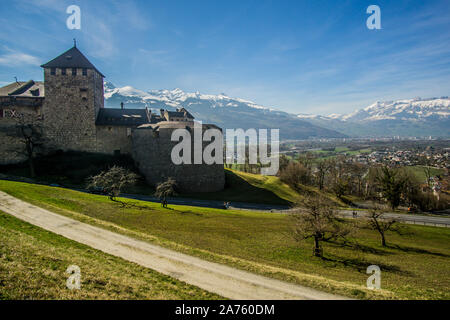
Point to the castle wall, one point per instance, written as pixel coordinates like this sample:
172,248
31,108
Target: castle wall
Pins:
12,147
152,155
113,138
70,109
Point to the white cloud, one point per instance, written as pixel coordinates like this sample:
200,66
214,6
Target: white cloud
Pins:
14,58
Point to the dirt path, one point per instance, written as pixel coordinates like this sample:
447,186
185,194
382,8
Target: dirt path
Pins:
220,279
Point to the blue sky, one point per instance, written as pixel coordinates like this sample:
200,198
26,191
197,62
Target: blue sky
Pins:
297,56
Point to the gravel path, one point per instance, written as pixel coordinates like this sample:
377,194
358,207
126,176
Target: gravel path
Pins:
223,280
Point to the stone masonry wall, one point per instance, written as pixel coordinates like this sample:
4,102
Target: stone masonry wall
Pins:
112,138
152,155
70,108
12,147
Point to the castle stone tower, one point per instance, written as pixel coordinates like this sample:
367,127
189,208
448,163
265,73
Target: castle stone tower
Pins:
73,98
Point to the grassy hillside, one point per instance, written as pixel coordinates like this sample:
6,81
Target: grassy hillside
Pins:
247,187
414,266
419,172
33,264
72,169
255,188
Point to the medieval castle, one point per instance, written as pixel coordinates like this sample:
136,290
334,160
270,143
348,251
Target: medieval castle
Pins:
69,104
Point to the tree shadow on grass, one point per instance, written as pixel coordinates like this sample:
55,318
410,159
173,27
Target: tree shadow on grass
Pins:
417,250
361,247
198,214
361,265
237,189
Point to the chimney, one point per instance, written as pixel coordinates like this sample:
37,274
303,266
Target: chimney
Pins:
121,105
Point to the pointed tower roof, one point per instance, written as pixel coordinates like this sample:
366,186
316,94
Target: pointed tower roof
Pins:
72,58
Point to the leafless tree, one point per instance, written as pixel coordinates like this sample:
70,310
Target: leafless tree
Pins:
317,219
392,184
323,167
358,172
428,174
166,189
112,181
378,222
295,174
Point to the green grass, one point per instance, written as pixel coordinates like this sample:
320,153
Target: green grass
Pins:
327,154
253,188
419,172
72,169
256,188
33,262
414,266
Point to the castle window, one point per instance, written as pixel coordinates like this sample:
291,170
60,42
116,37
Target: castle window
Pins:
74,71
84,93
53,71
63,71
84,72
1,113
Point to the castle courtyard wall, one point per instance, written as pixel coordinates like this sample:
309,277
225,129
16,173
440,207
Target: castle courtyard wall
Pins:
152,155
12,147
111,139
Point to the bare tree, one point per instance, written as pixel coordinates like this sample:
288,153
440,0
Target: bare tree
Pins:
295,174
340,186
166,189
323,167
112,181
358,172
392,185
428,175
378,222
284,162
317,219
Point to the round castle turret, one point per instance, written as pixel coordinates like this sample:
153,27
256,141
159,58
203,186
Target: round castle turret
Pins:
152,148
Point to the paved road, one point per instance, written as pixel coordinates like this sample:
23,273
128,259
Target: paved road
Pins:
223,280
406,218
211,203
443,221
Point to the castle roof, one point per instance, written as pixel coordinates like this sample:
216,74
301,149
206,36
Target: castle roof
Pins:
122,117
72,58
180,113
32,89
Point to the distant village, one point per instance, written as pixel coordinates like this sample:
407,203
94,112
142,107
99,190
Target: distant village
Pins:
406,158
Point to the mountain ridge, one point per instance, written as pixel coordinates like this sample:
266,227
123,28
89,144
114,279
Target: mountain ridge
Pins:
406,117
224,111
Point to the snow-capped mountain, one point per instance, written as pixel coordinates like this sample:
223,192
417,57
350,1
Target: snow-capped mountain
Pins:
219,109
411,117
413,109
